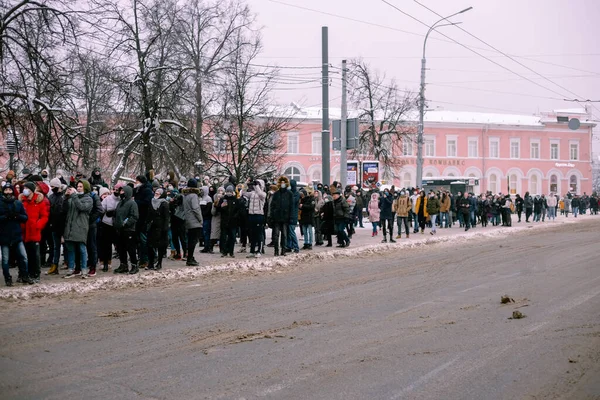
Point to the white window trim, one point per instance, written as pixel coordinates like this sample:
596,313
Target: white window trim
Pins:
408,140
429,137
572,142
538,142
469,140
312,141
556,142
518,141
493,140
287,143
455,138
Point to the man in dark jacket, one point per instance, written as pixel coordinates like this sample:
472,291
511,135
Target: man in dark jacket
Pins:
464,206
56,223
519,205
358,209
280,214
12,215
341,213
206,204
95,216
96,178
124,222
386,215
528,203
229,209
292,238
143,196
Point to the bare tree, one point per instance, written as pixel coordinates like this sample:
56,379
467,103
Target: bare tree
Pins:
207,33
150,79
33,78
384,112
247,130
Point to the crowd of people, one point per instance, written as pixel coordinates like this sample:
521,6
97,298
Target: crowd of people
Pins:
136,222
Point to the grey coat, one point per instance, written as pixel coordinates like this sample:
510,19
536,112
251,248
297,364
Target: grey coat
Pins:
191,208
78,218
215,227
126,213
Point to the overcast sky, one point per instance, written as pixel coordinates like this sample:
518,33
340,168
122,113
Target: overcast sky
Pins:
556,38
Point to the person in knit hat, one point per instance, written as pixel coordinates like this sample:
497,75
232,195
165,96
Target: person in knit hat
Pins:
193,219
37,208
228,209
77,225
56,223
12,216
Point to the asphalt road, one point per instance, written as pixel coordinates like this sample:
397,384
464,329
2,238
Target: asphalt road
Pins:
423,323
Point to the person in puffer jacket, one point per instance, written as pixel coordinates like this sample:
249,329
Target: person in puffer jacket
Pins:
37,208
124,222
374,213
193,219
256,196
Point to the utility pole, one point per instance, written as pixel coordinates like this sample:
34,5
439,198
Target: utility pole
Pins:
325,140
344,133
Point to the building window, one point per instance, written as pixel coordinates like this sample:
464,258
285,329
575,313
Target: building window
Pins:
429,148
493,183
515,148
573,183
535,150
407,180
220,145
451,147
316,143
494,148
292,143
428,175
574,151
407,146
292,173
513,184
554,151
533,184
473,148
553,184
316,175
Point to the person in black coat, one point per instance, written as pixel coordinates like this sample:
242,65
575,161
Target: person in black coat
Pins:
158,229
327,219
142,195
229,209
280,213
519,205
307,212
12,215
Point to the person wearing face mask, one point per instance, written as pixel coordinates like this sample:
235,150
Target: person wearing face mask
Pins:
178,233
386,202
158,229
402,206
45,176
38,211
79,205
464,205
215,223
421,208
142,194
415,218
96,179
12,215
56,223
229,209
327,219
106,229
193,219
124,223
280,214
433,209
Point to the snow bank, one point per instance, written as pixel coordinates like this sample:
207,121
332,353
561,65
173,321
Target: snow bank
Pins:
266,264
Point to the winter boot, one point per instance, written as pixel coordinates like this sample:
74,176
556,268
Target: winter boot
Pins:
173,252
158,266
8,281
123,269
105,268
392,240
276,253
191,263
134,269
53,270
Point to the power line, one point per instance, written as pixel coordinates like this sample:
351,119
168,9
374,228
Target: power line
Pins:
515,79
471,49
501,52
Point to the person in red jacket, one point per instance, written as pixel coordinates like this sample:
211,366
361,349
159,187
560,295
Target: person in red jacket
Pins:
37,208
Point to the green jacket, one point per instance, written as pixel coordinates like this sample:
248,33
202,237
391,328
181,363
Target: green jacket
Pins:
78,218
433,206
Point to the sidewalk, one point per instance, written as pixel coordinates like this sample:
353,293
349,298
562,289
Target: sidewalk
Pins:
362,245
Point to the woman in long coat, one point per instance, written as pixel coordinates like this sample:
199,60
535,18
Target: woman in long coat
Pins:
158,229
215,227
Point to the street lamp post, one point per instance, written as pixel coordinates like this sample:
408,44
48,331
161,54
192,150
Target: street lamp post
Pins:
419,181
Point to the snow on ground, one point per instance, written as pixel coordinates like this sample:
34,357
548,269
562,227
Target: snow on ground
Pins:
266,264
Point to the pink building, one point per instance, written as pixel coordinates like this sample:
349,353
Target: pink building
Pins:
539,154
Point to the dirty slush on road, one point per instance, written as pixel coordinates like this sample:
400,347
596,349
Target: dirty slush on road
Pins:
510,315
